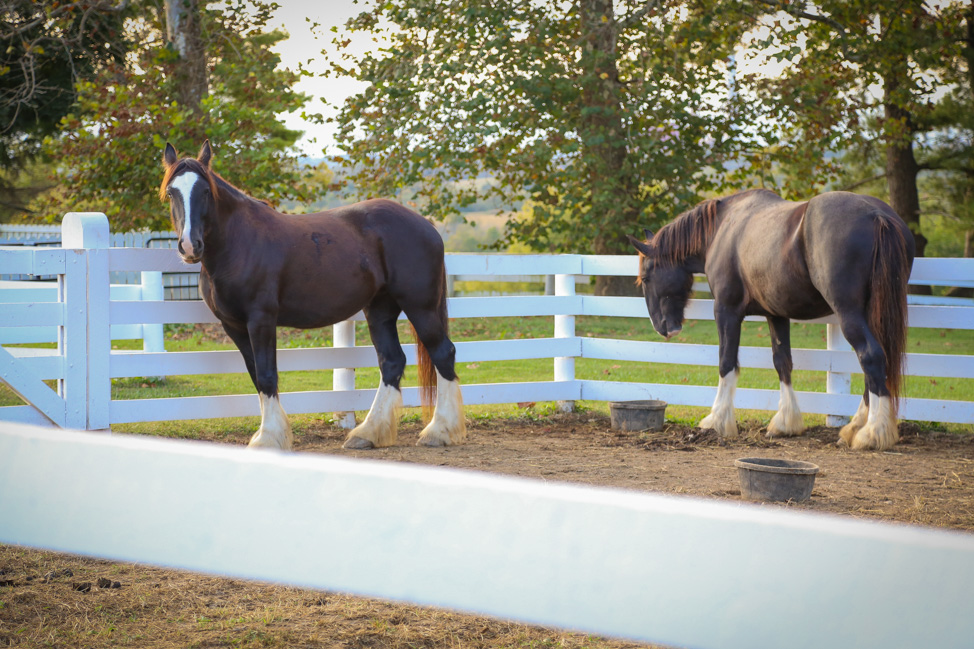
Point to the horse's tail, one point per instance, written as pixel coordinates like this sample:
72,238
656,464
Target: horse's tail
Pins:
427,371
892,263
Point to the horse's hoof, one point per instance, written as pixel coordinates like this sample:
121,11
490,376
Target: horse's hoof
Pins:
358,444
725,427
258,441
847,433
432,442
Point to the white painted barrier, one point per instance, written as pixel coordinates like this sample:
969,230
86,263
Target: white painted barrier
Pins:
665,569
84,364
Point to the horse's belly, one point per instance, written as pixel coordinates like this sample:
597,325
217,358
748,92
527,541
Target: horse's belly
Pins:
794,305
309,317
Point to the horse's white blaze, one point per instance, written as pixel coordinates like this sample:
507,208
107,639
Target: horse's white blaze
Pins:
381,425
849,431
275,430
788,420
448,425
880,431
184,184
721,417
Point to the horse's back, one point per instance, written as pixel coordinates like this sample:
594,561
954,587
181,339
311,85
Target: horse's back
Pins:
408,248
800,259
841,230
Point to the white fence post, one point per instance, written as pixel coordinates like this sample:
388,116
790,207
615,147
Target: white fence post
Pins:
565,328
344,379
88,340
152,290
837,382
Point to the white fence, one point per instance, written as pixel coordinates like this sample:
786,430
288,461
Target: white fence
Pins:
84,364
667,569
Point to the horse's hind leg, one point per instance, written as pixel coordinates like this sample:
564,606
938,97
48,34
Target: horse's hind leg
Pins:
381,425
788,420
448,425
874,424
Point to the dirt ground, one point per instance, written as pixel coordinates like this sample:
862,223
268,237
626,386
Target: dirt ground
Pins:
48,599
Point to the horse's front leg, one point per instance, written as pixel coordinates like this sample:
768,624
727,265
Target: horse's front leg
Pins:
788,420
721,417
275,430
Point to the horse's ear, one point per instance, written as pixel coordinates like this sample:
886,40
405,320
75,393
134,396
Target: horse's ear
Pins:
639,245
649,233
205,154
169,158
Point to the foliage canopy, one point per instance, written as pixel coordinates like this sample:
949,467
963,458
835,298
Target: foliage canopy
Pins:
605,114
108,151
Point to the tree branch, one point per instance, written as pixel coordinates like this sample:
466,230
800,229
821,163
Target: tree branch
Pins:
793,10
864,181
638,15
106,7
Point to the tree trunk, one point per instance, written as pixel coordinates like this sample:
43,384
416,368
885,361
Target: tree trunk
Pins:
183,33
901,164
611,184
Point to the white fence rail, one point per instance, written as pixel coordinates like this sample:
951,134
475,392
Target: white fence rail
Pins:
666,569
83,365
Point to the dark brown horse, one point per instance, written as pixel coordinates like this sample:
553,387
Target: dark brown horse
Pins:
837,253
262,269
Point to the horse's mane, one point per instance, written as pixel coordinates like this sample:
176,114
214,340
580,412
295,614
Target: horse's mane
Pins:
688,234
218,184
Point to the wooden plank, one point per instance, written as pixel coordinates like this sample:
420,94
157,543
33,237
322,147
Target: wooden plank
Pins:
160,312
34,314
139,259
524,306
610,562
324,401
135,363
20,377
45,364
13,415
499,265
943,271
22,260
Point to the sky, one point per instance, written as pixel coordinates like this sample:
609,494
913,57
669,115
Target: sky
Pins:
302,47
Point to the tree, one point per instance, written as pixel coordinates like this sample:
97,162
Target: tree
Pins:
45,48
184,33
109,148
607,115
837,52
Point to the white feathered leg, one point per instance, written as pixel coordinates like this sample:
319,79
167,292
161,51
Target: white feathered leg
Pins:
880,431
849,431
448,425
721,417
275,430
381,425
788,420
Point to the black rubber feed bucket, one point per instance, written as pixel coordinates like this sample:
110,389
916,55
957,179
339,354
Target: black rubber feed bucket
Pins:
637,416
775,480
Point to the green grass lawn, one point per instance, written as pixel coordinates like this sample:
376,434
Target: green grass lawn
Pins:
808,336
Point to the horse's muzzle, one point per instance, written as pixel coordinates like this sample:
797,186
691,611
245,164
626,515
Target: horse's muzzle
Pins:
193,256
